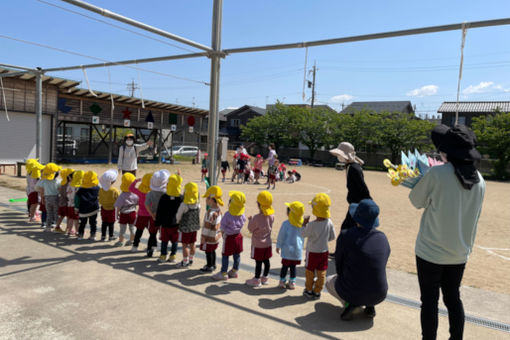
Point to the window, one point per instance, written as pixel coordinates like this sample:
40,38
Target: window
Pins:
462,120
235,122
84,132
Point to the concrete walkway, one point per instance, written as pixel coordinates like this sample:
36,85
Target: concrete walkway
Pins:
59,288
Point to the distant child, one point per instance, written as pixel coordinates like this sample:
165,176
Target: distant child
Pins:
293,176
73,218
62,198
247,172
257,168
108,195
188,217
231,224
291,242
211,228
86,201
159,181
272,173
204,167
166,218
261,226
235,167
281,172
126,210
48,188
144,219
319,233
33,168
224,167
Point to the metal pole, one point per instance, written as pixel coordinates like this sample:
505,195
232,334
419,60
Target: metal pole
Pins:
214,90
38,113
313,85
141,25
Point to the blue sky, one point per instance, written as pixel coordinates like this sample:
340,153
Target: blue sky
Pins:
423,69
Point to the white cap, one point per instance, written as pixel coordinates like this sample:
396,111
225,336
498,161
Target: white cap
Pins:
107,178
159,180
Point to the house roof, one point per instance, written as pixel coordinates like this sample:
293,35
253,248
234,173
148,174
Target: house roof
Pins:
475,107
327,107
380,106
243,108
61,83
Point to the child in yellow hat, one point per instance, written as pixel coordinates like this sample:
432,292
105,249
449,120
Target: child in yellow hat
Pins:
211,228
108,195
62,198
319,232
230,227
144,219
126,210
48,188
166,217
261,226
73,218
290,242
158,184
87,204
33,168
188,217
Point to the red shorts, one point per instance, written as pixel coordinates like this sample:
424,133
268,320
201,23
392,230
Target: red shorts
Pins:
261,254
42,207
108,216
316,261
188,238
146,222
33,198
208,247
71,214
286,262
232,244
62,211
272,177
128,218
204,170
169,234
257,171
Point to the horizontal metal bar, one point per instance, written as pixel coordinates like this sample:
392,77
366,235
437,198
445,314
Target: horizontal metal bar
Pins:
127,62
424,30
13,74
18,67
135,23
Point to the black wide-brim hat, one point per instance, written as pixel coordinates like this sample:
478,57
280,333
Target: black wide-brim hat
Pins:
458,142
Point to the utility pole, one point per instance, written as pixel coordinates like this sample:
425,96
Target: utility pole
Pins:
132,87
313,84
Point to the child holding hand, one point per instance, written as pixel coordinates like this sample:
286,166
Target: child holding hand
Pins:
188,217
211,228
108,195
86,201
290,242
143,220
126,209
260,226
319,233
159,181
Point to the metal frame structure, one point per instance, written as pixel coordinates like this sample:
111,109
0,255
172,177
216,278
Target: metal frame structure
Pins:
215,53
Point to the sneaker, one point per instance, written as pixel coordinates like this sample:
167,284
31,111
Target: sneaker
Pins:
183,264
206,269
291,284
162,258
119,243
263,280
190,262
129,243
58,230
308,294
316,296
92,237
172,258
348,313
133,248
282,284
103,238
112,238
253,282
80,237
370,311
232,274
219,276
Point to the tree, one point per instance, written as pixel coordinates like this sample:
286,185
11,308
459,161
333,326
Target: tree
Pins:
358,129
313,126
493,133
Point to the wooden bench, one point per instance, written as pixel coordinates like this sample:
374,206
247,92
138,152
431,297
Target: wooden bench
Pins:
3,165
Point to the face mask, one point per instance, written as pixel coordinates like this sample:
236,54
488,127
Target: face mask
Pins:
129,142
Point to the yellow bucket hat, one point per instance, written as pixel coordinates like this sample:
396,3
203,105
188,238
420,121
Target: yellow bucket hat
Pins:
265,199
145,187
66,172
216,193
127,179
237,202
320,205
29,164
89,180
36,170
77,178
173,187
297,210
50,170
190,193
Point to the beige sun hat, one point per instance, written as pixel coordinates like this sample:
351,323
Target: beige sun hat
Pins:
345,153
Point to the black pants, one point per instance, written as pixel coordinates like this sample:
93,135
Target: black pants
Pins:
431,278
153,241
211,258
258,268
283,272
138,236
92,222
109,226
173,248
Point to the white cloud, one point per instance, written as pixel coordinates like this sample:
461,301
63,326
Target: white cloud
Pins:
341,98
484,86
427,90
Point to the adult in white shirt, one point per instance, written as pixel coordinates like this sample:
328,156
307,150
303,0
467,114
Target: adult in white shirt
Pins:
271,157
128,154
